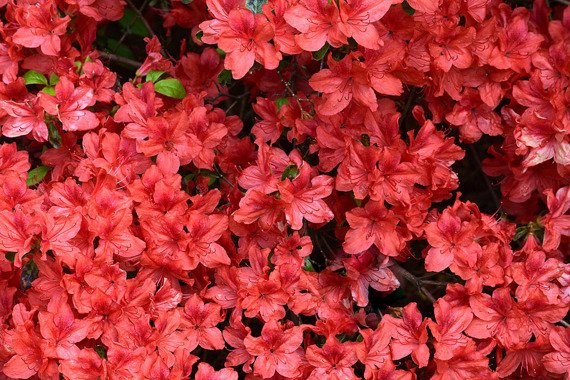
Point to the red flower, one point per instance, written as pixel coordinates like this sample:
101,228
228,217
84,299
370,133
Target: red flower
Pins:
203,232
374,224
340,83
318,21
374,351
200,320
17,231
448,329
23,119
69,105
60,329
302,198
40,27
358,18
450,237
556,222
409,334
559,360
246,40
498,316
207,372
276,350
333,361
368,269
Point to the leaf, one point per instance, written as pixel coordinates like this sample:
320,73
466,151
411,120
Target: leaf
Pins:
281,102
53,79
133,24
320,54
308,265
408,9
170,87
33,77
521,232
291,172
119,49
53,136
10,256
221,53
154,75
49,90
30,272
225,77
255,5
101,351
36,175
199,35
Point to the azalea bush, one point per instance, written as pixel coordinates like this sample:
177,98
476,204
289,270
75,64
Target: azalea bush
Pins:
284,189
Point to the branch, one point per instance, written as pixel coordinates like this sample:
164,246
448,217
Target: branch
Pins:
147,25
121,60
475,156
399,270
140,15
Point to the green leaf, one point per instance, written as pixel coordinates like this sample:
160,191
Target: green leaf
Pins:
170,87
308,265
281,102
221,53
30,272
408,9
520,232
225,77
133,24
119,49
36,175
49,90
53,136
101,351
33,77
255,5
10,256
199,35
154,75
320,54
291,172
53,79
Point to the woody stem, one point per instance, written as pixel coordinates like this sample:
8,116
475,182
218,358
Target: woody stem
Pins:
122,60
399,271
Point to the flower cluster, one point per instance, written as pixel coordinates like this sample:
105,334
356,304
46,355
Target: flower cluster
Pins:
285,200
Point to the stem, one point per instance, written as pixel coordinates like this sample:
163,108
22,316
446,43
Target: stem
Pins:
147,25
121,60
399,270
485,178
293,94
564,323
140,15
222,176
